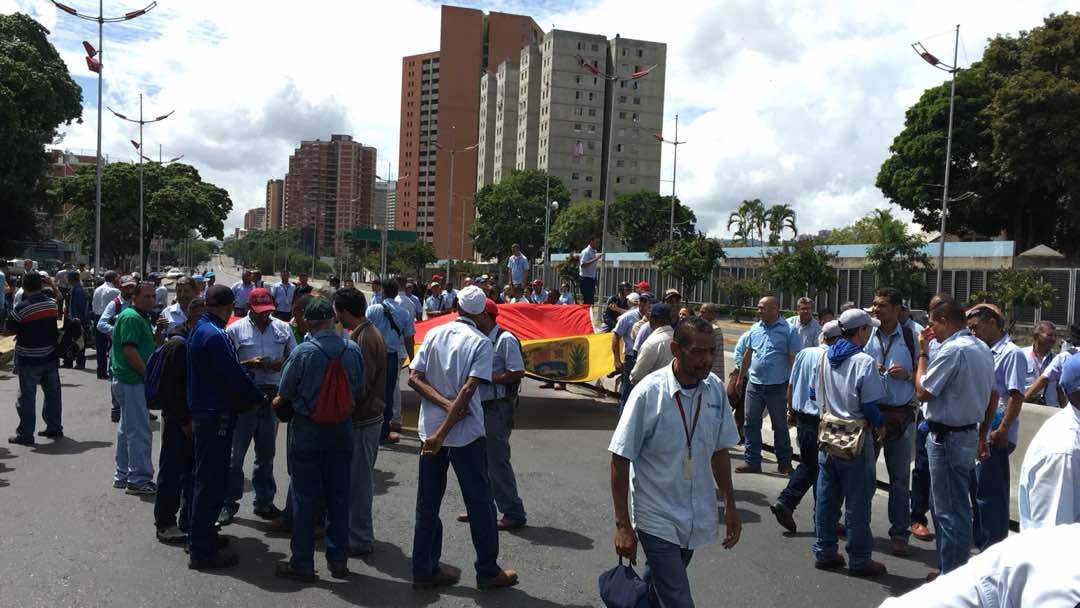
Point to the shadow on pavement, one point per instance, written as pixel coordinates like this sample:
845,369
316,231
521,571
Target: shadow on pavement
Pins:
384,480
67,445
5,469
256,566
554,537
553,413
898,585
921,552
501,597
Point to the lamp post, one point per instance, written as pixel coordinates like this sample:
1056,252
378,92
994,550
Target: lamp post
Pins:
141,122
450,210
93,61
548,206
674,171
952,70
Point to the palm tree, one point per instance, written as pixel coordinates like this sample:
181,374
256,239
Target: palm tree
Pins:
750,219
780,218
742,225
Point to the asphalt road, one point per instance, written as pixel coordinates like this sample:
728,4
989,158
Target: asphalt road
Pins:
70,539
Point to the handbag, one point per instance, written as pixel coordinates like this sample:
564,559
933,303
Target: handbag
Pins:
621,587
841,437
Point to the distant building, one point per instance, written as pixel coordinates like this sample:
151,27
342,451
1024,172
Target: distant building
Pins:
385,192
254,219
329,190
275,203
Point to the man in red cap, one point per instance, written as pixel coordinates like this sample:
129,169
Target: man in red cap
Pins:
262,344
642,287
539,294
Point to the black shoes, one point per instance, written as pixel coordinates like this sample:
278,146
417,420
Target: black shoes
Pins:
51,434
268,512
445,577
783,516
285,570
217,561
21,440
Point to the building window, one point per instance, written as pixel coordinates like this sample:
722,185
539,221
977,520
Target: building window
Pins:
622,98
577,94
577,79
637,85
618,147
634,117
640,53
578,111
624,52
622,115
596,47
637,101
577,127
633,179
580,45
619,163
622,84
575,175
592,128
592,145
588,178
590,95
618,180
592,111
588,194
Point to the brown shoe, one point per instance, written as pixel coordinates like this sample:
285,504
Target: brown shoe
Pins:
507,523
840,529
835,562
445,577
506,578
872,568
395,426
746,468
921,532
900,547
391,438
784,469
932,576
463,517
277,526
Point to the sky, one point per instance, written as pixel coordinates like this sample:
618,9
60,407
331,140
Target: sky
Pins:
787,101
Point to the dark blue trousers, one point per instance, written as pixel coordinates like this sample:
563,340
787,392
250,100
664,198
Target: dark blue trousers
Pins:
175,481
805,475
320,456
393,368
920,476
213,440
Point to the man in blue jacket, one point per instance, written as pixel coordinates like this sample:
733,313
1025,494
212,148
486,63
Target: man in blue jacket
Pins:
216,385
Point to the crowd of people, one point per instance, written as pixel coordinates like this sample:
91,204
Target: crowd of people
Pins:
225,365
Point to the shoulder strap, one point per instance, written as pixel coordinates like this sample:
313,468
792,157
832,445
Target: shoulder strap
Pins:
909,340
389,314
823,403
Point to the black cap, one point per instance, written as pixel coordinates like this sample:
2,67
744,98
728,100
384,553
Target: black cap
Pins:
219,295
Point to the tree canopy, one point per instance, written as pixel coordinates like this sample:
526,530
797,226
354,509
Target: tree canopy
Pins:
1017,121
690,260
36,95
1014,289
512,211
800,268
643,219
176,202
898,259
871,228
411,258
576,224
752,219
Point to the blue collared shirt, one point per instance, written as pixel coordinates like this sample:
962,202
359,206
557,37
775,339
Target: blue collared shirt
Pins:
405,323
439,303
1010,374
622,328
844,390
804,373
772,345
587,270
740,348
1036,367
242,290
566,298
276,342
506,358
105,322
283,293
961,378
650,435
809,334
517,264
893,350
643,334
303,373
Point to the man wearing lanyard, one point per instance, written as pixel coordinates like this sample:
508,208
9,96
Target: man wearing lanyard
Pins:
674,435
438,303
990,495
283,294
895,353
1038,357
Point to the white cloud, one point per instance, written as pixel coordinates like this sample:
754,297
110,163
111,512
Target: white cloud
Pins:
786,101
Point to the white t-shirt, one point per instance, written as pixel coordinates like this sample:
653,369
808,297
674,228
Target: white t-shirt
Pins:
1049,491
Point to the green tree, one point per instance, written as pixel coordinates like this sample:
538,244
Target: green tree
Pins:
801,268
749,220
643,219
576,224
411,258
899,260
1015,289
1017,119
741,291
871,228
780,218
194,250
512,211
176,202
36,95
690,260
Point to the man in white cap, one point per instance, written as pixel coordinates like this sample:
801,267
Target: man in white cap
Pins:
848,387
453,361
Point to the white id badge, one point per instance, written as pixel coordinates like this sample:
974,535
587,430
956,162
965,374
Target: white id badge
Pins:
688,468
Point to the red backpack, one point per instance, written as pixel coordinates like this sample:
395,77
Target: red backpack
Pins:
335,402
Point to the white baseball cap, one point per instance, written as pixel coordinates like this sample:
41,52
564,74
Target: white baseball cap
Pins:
831,330
856,318
633,298
471,300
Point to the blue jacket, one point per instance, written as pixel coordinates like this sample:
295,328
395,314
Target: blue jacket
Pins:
303,373
78,307
216,382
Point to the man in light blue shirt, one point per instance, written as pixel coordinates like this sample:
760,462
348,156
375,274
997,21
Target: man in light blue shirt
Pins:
587,266
518,265
956,387
283,294
438,303
622,347
241,289
992,483
397,328
1038,357
668,465
895,350
764,372
805,324
804,411
565,295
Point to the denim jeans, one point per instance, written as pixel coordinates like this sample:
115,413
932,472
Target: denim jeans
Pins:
319,457
850,482
47,375
759,399
498,424
470,467
259,424
392,371
920,476
101,351
213,438
397,394
624,380
362,489
805,475
175,479
990,498
898,463
665,571
951,460
134,439
588,290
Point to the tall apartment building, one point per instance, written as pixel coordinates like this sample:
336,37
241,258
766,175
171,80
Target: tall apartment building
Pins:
567,116
485,138
391,207
254,218
382,212
275,203
440,101
329,190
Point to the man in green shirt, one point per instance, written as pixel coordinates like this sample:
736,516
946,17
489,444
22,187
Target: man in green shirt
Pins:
132,344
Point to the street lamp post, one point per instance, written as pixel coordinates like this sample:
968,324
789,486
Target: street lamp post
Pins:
450,210
548,206
141,122
93,61
674,171
952,70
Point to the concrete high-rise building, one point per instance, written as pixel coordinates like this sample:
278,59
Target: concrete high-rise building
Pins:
384,194
485,138
507,86
567,116
329,190
275,203
440,101
254,218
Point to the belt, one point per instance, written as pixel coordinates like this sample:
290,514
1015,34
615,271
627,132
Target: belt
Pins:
903,406
944,429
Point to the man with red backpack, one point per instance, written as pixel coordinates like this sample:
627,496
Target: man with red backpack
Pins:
320,382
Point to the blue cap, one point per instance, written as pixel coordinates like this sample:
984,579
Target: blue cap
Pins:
1070,375
209,274
661,311
198,278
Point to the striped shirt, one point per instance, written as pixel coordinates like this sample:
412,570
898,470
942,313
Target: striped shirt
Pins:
34,321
